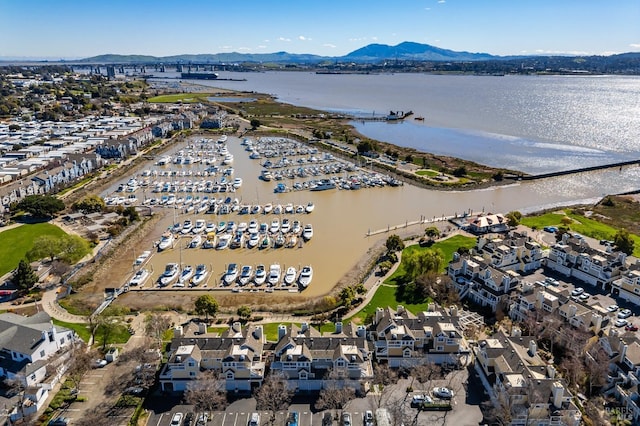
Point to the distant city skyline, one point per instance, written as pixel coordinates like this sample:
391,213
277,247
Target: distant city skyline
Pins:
71,29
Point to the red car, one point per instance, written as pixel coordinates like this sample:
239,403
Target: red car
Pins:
631,327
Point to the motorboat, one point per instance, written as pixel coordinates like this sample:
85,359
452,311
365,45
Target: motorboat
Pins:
200,275
166,241
253,227
310,207
187,226
307,232
279,241
277,209
143,257
266,242
306,275
263,228
237,241
245,274
237,182
222,226
260,276
266,175
288,208
196,241
290,275
323,185
170,274
296,228
292,241
242,226
210,241
139,278
256,209
285,226
223,241
254,240
275,226
274,274
268,208
199,226
186,274
210,228
231,274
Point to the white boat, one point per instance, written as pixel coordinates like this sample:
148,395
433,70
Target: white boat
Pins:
261,275
139,278
143,257
186,274
299,209
245,274
277,209
290,275
286,225
275,226
296,228
266,175
187,226
307,232
288,208
196,241
310,207
292,241
242,226
306,275
170,274
254,240
231,274
237,182
199,226
253,227
268,208
223,241
279,241
274,274
166,241
222,226
200,275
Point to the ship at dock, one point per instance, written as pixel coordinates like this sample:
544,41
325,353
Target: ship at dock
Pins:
199,75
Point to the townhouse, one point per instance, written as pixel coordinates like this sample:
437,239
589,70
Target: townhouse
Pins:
515,252
627,286
573,257
237,355
524,388
624,354
402,339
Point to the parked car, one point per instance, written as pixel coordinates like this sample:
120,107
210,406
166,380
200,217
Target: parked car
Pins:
327,419
551,281
254,420
188,419
99,363
346,419
418,400
620,322
551,229
293,419
59,421
577,291
612,308
625,313
367,419
203,419
442,393
631,327
584,296
176,420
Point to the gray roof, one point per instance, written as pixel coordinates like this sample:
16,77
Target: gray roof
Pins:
23,334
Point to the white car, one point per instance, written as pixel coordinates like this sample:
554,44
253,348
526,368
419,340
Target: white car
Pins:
577,291
620,322
418,400
625,313
99,363
612,308
176,420
367,419
443,393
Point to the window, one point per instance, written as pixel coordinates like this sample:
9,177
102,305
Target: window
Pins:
62,341
192,363
406,353
192,373
340,363
439,348
230,375
303,375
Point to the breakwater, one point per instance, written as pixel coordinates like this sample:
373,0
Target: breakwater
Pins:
619,164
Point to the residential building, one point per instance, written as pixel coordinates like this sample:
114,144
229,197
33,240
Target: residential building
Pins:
485,223
513,252
402,339
236,355
523,386
311,361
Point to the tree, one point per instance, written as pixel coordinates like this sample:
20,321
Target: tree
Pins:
394,243
566,221
365,146
425,373
460,172
244,312
335,395
274,395
79,364
419,263
24,277
207,392
623,242
385,266
346,296
206,305
90,204
513,218
68,248
156,325
432,232
255,123
40,206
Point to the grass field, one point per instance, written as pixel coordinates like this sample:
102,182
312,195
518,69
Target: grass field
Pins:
430,173
181,97
271,330
16,242
81,329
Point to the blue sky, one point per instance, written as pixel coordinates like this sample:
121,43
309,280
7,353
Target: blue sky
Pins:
82,28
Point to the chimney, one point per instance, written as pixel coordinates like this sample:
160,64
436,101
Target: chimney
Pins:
338,327
202,328
380,314
304,327
282,331
597,323
237,327
361,331
551,371
400,309
257,332
533,347
177,331
453,311
572,311
516,332
557,391
623,350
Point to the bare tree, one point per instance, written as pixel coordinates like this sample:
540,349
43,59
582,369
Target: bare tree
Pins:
207,393
597,363
79,363
274,394
383,378
156,325
336,395
425,373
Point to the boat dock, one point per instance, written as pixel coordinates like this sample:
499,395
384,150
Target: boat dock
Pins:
619,164
392,116
422,221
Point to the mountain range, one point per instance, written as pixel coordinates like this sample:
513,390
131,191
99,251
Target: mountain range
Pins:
370,53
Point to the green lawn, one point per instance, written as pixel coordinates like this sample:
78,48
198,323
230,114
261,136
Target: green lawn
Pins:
81,329
271,330
218,330
539,222
16,242
430,173
182,97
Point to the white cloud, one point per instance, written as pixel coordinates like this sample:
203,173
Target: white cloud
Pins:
303,38
374,38
332,46
226,47
266,41
442,1
283,39
244,49
262,46
635,45
427,8
561,52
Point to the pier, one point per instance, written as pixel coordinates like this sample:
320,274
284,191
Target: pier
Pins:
392,116
422,221
619,164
